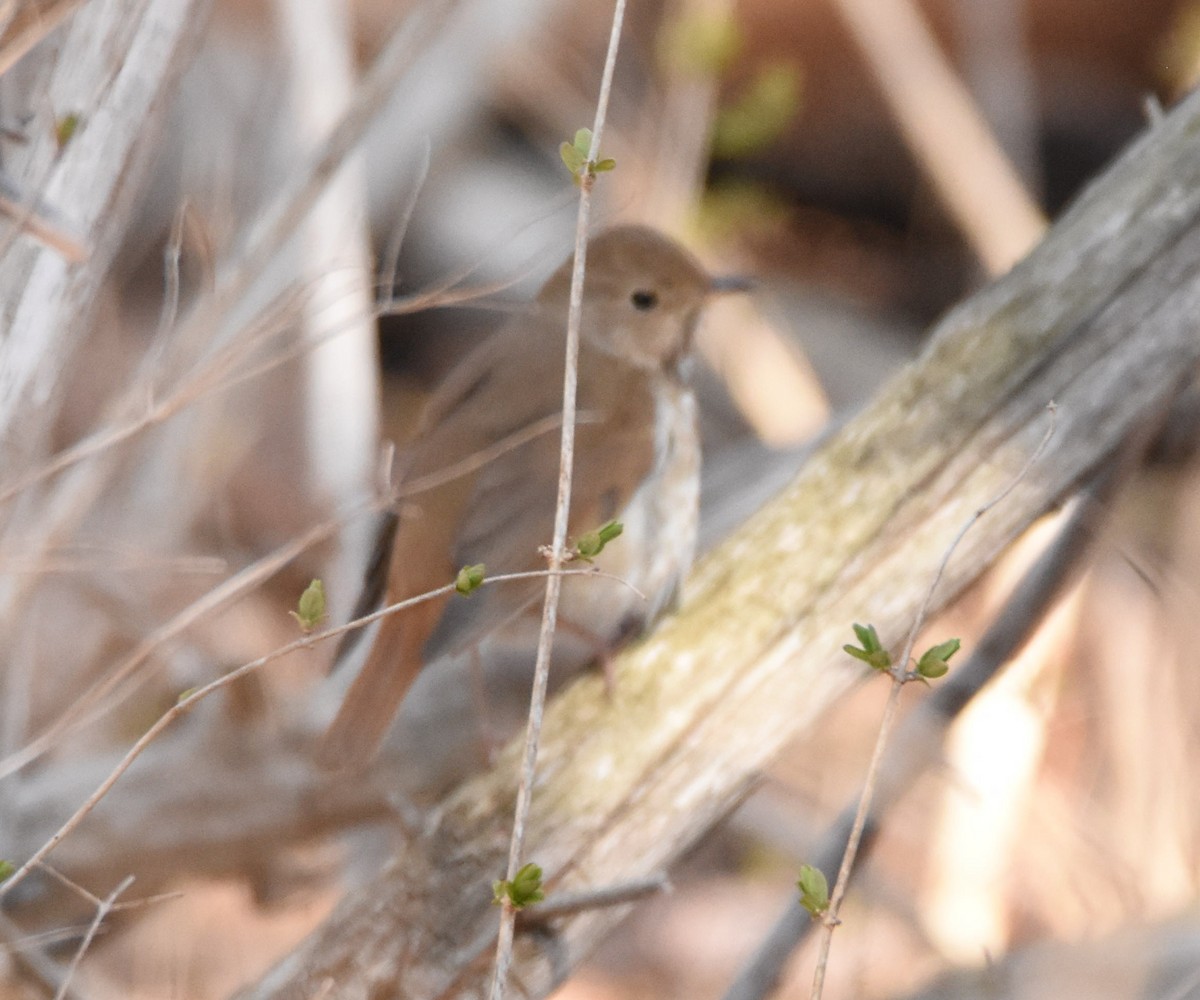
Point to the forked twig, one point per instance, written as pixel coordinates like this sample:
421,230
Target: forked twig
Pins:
103,909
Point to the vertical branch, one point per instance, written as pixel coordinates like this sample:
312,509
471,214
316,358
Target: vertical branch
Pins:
537,703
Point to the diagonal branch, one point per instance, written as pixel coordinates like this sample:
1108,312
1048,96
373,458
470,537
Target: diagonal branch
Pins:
1099,318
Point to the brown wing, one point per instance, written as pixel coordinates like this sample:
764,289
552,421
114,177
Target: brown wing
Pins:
510,514
498,513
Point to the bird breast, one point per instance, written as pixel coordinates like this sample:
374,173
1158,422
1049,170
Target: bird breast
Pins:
656,547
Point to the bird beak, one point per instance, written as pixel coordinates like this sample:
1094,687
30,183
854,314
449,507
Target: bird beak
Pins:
722,284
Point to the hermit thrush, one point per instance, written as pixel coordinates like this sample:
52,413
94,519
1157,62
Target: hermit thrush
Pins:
483,477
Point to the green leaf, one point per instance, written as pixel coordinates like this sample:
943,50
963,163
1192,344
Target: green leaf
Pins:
470,578
867,636
934,662
592,543
871,652
523,890
6,869
944,650
310,609
814,890
575,156
573,159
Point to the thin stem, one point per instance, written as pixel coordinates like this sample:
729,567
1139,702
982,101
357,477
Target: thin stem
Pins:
103,909
569,903
537,702
900,677
189,701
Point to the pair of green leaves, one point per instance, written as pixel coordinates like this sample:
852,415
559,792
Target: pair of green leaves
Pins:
523,889
587,547
934,662
575,155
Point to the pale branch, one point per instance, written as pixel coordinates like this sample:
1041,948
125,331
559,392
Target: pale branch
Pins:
119,61
562,512
1100,318
918,739
557,555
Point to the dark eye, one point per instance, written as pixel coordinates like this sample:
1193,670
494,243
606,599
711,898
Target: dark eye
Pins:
643,299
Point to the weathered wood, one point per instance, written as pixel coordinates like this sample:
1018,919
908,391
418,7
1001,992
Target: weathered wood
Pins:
116,64
1100,318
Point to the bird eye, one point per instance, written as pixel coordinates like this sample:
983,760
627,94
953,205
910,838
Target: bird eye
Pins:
643,299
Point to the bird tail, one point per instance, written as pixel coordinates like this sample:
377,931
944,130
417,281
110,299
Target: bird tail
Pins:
353,738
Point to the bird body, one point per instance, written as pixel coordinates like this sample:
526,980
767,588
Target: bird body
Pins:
479,483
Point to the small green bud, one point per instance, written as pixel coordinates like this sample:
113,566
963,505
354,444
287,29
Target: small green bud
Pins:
310,609
65,128
6,869
591,544
872,652
524,889
470,578
934,662
814,890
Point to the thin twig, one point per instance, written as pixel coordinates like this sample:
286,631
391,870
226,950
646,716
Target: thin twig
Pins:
29,24
226,370
91,704
78,713
279,221
918,736
900,677
567,904
192,698
537,702
276,224
484,456
29,953
448,292
389,266
103,909
84,558
94,900
172,261
34,218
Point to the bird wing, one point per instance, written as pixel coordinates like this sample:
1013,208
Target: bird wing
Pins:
509,515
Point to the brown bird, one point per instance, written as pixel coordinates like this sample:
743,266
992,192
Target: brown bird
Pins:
490,433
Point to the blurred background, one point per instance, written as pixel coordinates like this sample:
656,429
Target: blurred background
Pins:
870,163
